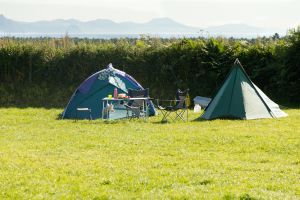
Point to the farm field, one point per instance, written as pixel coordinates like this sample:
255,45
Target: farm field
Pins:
42,157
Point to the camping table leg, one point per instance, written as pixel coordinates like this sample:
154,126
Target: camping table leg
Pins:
90,111
147,109
144,110
105,111
144,107
102,109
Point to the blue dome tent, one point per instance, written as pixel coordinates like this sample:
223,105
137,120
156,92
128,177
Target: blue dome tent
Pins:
98,86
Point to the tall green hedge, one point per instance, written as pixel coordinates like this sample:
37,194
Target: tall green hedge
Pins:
45,72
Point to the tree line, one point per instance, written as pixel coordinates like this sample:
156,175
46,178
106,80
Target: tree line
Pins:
46,71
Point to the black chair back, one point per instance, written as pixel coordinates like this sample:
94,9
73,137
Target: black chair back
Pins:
181,99
136,94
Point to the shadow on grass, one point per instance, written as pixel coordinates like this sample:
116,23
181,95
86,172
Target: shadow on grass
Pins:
201,119
98,120
48,107
59,116
289,107
163,122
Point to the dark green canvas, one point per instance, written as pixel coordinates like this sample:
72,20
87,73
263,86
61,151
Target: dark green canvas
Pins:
240,98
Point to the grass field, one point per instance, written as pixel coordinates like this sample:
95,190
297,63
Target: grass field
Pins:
45,158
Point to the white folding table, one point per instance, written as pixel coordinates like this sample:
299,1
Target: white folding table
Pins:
106,101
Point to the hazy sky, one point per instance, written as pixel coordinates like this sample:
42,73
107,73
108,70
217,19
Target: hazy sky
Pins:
200,13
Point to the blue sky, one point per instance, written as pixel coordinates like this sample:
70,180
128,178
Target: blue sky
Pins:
200,13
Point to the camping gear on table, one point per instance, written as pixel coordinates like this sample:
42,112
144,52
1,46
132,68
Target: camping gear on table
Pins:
137,108
122,96
180,107
240,98
102,84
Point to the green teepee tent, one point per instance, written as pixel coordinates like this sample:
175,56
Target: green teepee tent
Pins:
240,98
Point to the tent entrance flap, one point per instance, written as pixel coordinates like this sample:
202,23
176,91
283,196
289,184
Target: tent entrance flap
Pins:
117,82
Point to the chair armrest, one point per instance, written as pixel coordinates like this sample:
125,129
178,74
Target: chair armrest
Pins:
167,100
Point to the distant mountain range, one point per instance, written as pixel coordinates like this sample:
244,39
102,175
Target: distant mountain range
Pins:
103,26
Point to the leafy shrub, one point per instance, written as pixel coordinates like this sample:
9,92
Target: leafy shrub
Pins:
45,71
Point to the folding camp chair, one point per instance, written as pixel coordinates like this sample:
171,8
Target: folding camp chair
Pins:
137,106
180,107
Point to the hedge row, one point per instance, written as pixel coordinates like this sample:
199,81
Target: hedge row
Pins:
45,72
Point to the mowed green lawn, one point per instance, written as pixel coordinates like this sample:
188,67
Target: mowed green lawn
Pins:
45,158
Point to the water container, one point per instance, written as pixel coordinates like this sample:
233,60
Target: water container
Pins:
116,93
197,108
